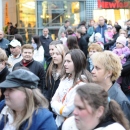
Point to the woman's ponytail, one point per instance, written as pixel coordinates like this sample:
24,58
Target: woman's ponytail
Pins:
118,114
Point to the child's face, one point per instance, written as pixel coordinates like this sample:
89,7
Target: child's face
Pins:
51,49
109,29
91,52
119,45
62,34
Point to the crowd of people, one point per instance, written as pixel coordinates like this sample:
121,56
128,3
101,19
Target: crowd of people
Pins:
80,81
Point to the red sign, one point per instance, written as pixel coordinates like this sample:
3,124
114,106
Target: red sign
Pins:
113,5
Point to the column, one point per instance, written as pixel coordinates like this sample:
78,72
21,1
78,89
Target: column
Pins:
1,15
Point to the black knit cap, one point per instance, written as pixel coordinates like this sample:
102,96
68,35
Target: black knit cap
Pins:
20,78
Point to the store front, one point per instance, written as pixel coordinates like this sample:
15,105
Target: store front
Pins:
34,15
113,10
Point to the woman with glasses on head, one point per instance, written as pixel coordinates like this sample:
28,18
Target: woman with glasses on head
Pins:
74,74
94,110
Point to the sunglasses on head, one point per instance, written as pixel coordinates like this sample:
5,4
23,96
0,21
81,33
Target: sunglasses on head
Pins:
118,43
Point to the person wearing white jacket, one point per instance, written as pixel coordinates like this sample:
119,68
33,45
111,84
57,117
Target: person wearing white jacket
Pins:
38,49
74,74
94,110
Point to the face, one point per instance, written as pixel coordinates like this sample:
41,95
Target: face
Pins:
101,21
15,99
83,29
109,29
68,64
123,33
1,35
99,74
15,51
85,117
91,52
67,24
119,45
128,24
27,54
92,23
51,49
57,57
45,32
62,34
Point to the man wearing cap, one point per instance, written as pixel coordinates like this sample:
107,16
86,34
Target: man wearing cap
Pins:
15,49
4,42
27,52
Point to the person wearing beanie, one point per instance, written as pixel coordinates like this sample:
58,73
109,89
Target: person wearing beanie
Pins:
121,49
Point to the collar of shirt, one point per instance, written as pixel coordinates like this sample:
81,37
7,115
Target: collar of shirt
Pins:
46,36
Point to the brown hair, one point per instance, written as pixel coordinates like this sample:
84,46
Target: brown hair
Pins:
80,65
95,46
72,42
27,46
79,31
96,96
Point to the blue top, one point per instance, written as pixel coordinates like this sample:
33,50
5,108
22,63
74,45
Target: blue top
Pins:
42,119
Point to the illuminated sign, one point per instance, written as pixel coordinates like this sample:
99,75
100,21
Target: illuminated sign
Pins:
106,4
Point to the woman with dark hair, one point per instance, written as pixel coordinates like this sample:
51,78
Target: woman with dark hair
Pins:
38,49
94,110
74,74
72,43
70,31
19,38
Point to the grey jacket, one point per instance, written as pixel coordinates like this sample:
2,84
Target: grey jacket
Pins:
117,94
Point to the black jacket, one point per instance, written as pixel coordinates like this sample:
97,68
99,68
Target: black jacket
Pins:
111,43
116,94
126,77
45,43
3,75
83,45
50,89
37,69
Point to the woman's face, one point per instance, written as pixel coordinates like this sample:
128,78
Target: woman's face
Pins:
51,49
99,74
68,64
57,58
85,116
15,99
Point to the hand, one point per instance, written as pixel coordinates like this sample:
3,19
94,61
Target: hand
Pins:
122,56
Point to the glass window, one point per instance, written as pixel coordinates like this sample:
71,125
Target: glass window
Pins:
55,13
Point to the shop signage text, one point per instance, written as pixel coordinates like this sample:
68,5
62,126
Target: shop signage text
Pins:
112,5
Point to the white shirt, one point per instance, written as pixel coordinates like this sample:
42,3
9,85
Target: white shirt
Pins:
64,40
10,114
39,54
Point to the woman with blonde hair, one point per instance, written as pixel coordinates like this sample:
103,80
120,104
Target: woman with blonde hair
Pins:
94,110
107,69
74,74
53,73
24,107
3,69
